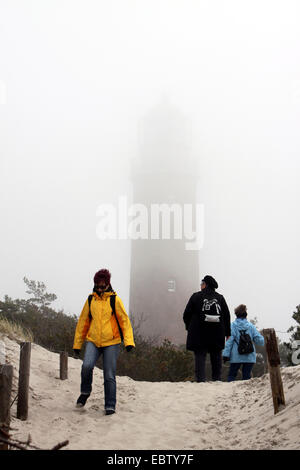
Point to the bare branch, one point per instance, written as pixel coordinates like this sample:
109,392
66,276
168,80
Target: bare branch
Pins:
24,445
12,444
60,445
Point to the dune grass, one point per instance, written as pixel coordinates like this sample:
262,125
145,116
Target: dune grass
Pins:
14,330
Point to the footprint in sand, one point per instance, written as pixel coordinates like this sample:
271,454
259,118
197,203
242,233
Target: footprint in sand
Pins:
94,407
212,426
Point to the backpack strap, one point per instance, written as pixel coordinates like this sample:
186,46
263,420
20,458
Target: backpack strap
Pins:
241,331
90,300
113,307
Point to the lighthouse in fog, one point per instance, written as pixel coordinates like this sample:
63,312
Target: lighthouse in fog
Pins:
163,273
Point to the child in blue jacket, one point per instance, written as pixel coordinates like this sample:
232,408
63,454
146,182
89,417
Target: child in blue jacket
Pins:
230,352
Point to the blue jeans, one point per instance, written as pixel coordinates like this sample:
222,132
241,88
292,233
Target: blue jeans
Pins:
246,370
91,356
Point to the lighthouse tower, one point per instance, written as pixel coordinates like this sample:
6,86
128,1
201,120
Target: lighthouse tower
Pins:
163,273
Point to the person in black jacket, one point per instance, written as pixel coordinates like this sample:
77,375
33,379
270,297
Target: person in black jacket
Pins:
207,321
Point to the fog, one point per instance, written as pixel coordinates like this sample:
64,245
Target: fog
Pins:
77,79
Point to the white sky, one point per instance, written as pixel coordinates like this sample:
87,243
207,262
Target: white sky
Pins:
77,78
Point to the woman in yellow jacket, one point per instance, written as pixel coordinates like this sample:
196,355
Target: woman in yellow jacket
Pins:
103,331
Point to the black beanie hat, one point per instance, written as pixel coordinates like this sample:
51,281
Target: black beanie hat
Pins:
211,282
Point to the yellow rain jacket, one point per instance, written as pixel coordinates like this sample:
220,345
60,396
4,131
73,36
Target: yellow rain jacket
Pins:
102,329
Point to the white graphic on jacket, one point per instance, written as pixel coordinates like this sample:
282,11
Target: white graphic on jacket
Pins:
207,304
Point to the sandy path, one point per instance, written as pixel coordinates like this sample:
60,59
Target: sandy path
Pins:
159,415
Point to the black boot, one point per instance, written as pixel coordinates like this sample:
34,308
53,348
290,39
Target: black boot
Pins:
82,400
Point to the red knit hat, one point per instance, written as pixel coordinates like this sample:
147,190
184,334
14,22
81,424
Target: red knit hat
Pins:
102,275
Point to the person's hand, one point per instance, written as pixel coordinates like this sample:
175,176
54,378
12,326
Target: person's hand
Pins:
129,348
77,353
225,359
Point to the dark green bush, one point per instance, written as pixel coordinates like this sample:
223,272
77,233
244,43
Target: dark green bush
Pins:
151,360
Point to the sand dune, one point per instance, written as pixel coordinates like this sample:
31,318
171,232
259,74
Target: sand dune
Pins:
158,415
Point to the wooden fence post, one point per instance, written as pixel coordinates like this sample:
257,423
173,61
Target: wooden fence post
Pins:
63,369
274,368
6,375
23,389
